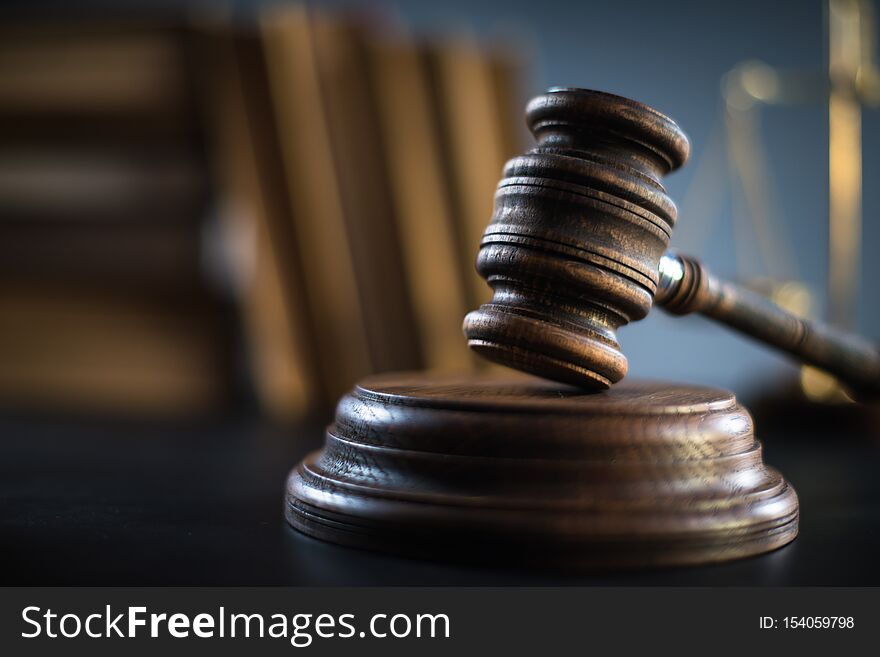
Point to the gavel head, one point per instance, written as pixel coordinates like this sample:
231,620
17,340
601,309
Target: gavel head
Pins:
579,227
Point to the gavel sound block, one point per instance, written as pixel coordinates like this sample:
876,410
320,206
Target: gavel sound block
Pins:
520,470
506,469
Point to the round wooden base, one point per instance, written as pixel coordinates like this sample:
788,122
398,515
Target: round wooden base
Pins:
528,471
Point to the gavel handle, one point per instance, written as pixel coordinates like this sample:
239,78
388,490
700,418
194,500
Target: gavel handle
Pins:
686,286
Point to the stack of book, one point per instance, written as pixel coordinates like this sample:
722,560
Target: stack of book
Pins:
338,174
103,192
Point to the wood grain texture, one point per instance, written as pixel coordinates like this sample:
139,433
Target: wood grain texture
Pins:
525,471
854,360
579,227
575,250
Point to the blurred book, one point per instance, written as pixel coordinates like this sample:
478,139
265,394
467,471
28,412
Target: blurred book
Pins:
341,209
104,305
423,205
334,173
258,227
89,350
474,95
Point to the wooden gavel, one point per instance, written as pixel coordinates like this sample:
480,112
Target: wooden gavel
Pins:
576,249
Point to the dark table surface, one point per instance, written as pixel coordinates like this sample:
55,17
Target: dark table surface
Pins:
92,502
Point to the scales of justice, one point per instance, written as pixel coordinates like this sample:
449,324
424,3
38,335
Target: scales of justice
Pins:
572,466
